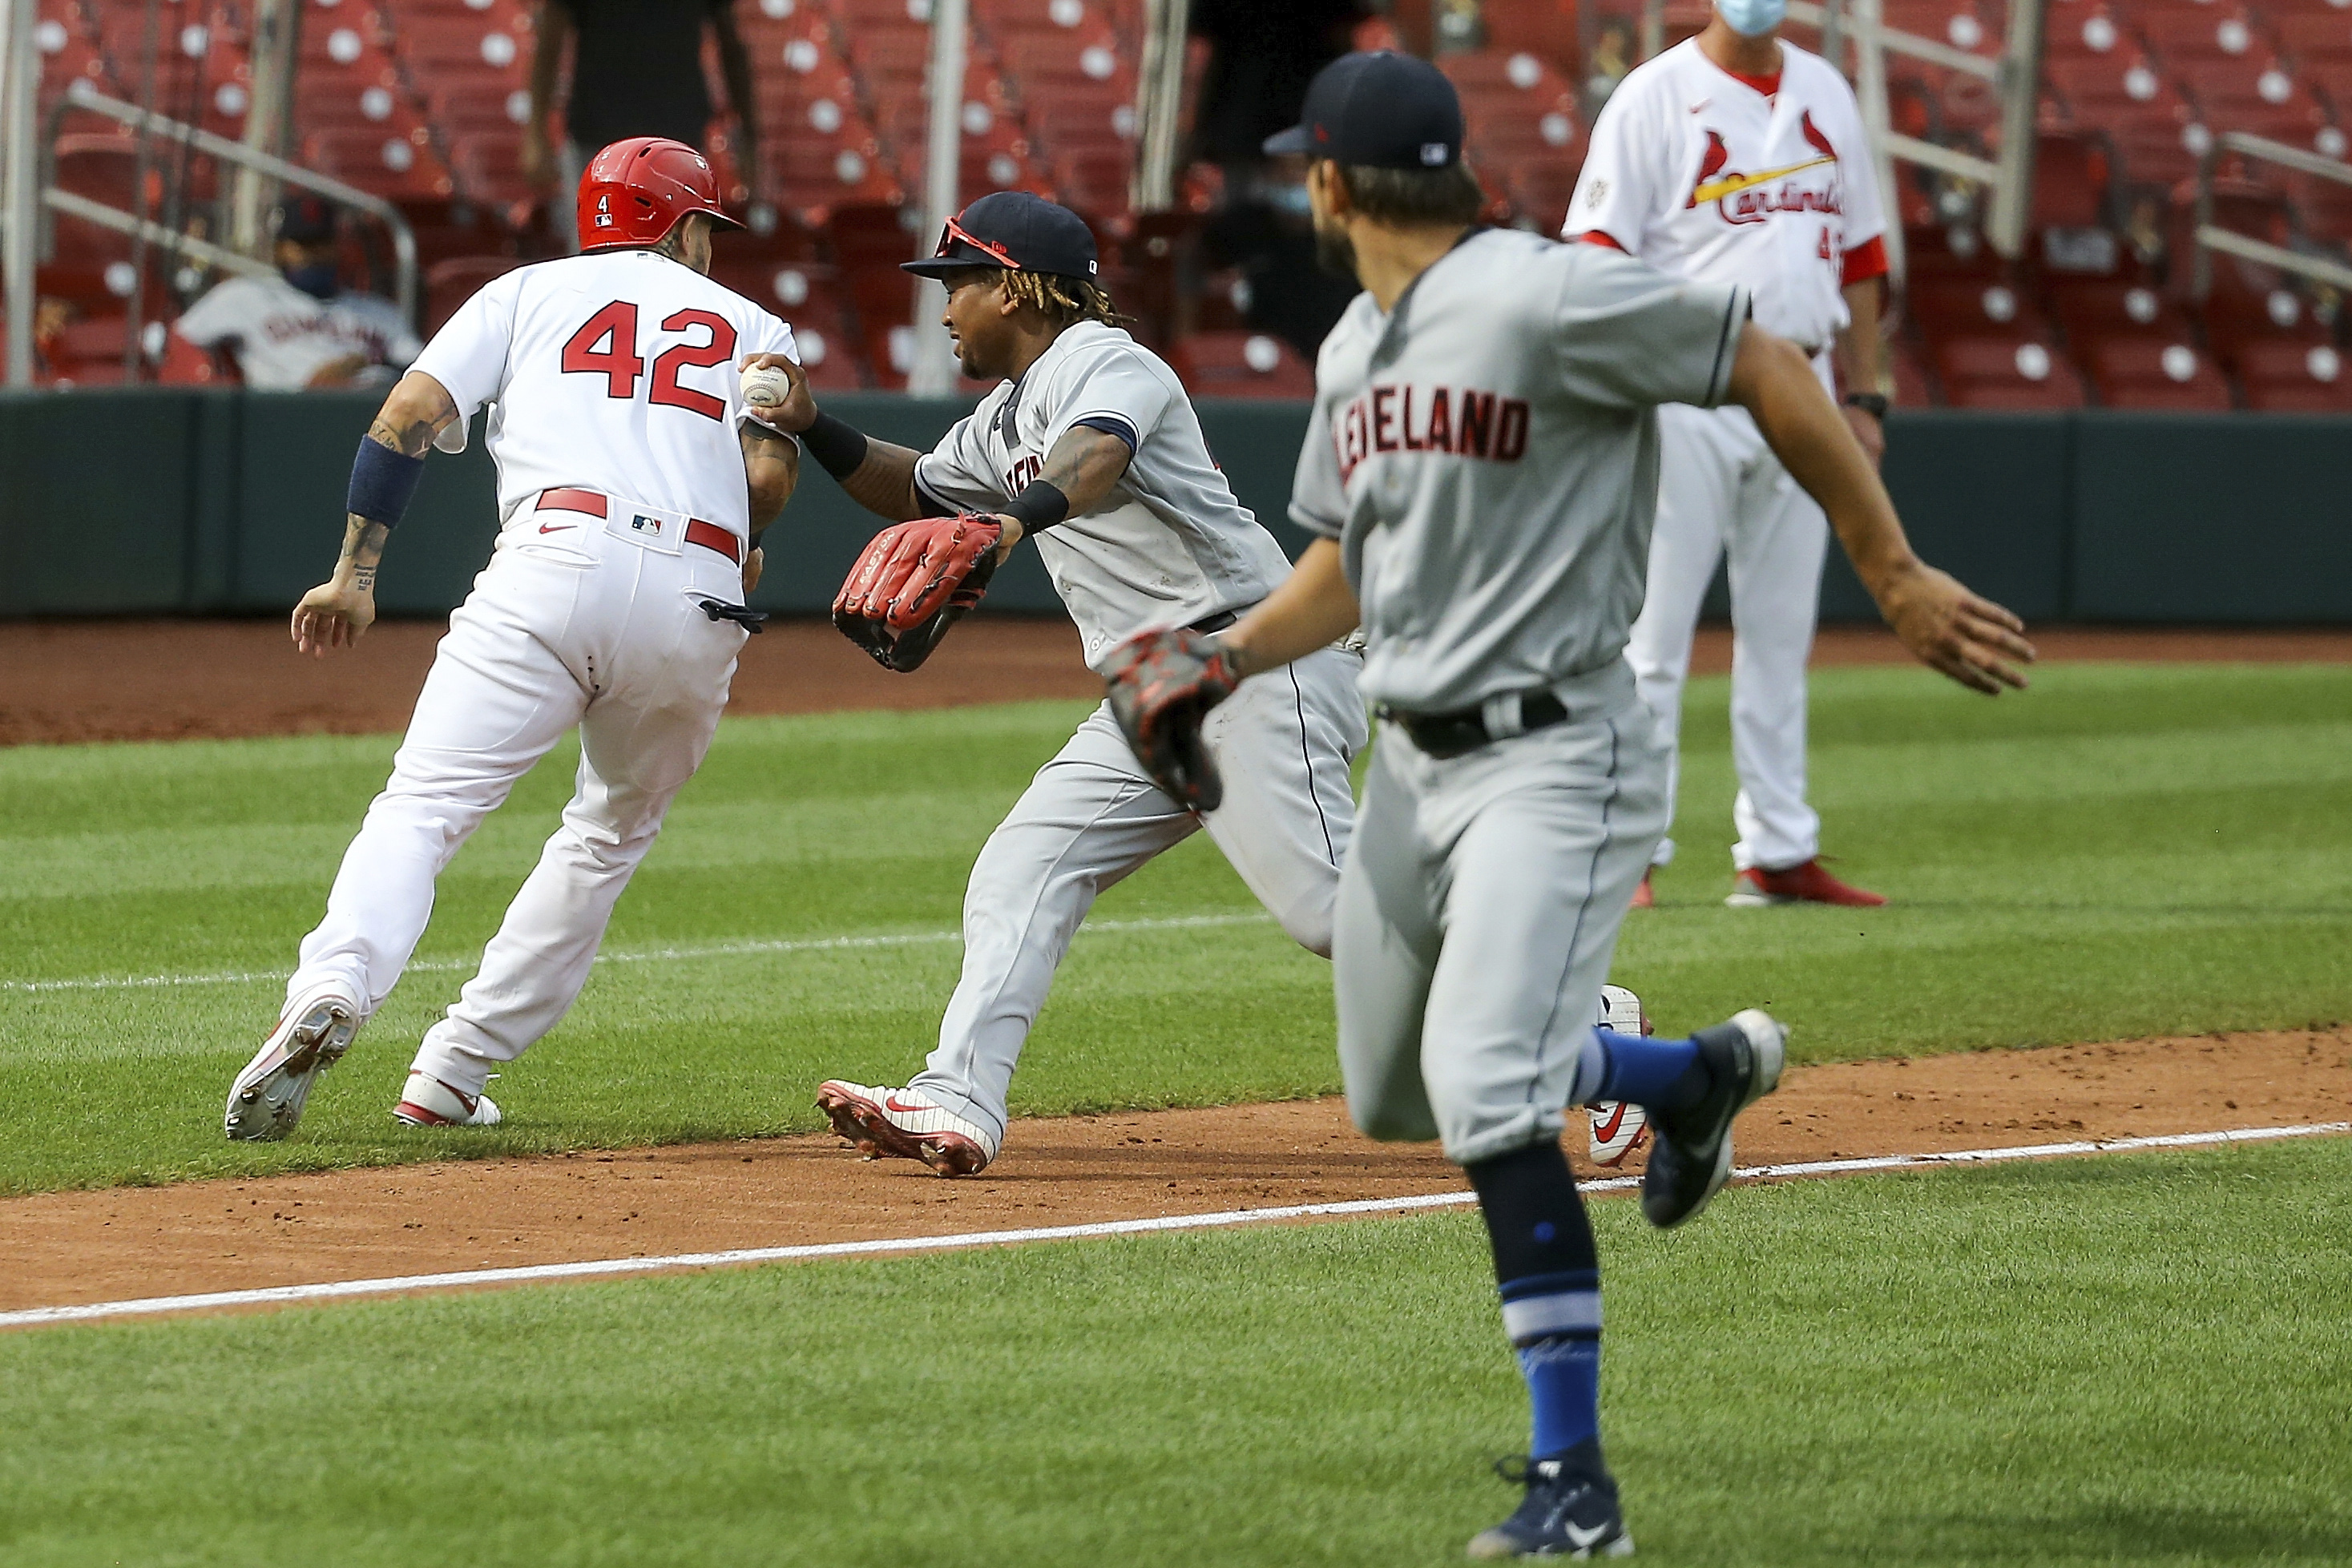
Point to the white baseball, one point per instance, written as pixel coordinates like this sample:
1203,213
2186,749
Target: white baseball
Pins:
765,386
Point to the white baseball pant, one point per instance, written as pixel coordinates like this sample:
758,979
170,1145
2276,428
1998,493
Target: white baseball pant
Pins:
1478,916
593,630
1282,744
1721,490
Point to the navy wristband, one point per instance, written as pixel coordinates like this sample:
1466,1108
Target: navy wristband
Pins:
839,448
383,481
1039,506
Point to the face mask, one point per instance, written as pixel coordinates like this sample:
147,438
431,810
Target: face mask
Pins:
1291,199
316,279
1752,18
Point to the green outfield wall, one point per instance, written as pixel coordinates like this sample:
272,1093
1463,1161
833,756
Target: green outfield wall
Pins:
169,501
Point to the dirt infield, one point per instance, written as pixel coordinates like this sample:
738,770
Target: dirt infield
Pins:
61,1249
165,680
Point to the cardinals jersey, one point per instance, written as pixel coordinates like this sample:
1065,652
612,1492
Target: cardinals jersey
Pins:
612,372
1700,174
1168,546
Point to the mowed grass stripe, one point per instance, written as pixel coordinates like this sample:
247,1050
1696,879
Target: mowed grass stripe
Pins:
2122,850
2085,1363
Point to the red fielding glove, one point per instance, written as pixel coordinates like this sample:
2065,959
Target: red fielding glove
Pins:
912,582
1162,685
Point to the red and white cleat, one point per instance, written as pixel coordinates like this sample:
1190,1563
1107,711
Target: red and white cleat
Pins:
429,1102
312,1035
1619,1128
1644,896
1757,888
885,1121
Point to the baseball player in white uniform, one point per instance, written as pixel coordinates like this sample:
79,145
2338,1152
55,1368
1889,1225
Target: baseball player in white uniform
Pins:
630,490
1735,157
1089,445
1481,466
301,328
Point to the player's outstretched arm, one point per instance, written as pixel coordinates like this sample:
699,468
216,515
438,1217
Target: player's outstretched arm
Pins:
876,474
383,476
1972,639
1311,607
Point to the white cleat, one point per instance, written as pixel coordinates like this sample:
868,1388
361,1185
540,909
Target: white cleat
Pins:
266,1100
1619,1128
884,1121
429,1102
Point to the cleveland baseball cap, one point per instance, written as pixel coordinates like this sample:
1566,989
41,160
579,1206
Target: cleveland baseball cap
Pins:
1377,110
306,220
1016,230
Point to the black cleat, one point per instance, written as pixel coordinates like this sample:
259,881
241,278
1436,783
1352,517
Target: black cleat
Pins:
1693,1156
1571,1511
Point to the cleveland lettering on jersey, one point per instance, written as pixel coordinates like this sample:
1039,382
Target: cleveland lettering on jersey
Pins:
1460,423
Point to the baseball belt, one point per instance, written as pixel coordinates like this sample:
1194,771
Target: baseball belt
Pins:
1464,730
710,535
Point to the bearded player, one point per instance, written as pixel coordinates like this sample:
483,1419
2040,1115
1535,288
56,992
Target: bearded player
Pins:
630,491
1089,447
1735,157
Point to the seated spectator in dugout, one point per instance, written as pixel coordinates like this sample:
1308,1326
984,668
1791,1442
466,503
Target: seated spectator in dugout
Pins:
302,329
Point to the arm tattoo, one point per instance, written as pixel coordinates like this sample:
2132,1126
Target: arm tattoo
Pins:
363,542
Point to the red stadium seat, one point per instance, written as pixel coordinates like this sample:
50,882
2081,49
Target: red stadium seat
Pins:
1241,364
449,284
2295,376
2202,32
2317,36
1545,28
2071,177
2077,30
2150,372
392,166
2091,309
2007,373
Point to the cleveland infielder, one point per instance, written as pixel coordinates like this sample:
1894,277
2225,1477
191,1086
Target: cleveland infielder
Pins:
630,490
1088,444
1481,466
1736,157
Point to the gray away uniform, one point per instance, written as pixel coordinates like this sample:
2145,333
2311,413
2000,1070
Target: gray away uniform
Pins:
1487,456
1170,546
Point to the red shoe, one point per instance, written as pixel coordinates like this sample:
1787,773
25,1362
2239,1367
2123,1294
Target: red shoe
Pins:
1756,888
1642,897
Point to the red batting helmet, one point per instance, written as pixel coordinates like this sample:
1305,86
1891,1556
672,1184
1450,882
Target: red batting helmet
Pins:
635,191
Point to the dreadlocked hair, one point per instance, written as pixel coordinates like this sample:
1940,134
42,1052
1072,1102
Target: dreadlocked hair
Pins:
1064,301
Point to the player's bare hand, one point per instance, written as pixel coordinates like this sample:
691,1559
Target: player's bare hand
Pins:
1868,430
1013,531
331,616
798,411
1951,629
753,565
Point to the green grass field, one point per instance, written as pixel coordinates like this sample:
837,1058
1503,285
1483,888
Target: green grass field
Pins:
2121,1361
2122,850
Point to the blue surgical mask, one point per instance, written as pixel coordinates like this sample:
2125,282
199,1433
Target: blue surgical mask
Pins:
316,279
1291,199
1752,18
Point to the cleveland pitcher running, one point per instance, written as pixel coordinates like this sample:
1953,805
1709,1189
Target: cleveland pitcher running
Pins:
1481,469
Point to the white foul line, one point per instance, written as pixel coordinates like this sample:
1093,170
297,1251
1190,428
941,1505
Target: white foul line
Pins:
609,1266
642,955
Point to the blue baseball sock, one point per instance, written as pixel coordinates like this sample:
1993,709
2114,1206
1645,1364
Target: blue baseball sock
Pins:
1656,1074
1554,1324
1549,1278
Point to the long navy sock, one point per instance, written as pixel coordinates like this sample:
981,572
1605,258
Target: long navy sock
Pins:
1656,1074
1549,1277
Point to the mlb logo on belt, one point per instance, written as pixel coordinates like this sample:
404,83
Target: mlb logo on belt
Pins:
646,525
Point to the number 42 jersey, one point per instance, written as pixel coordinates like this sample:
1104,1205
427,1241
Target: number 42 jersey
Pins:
611,371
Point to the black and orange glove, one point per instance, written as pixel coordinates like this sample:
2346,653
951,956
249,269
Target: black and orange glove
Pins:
914,581
1162,686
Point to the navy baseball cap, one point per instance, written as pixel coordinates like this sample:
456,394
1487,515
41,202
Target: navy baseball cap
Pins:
1016,230
306,220
1377,110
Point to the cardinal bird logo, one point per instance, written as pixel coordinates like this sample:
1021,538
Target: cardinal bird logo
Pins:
1716,180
